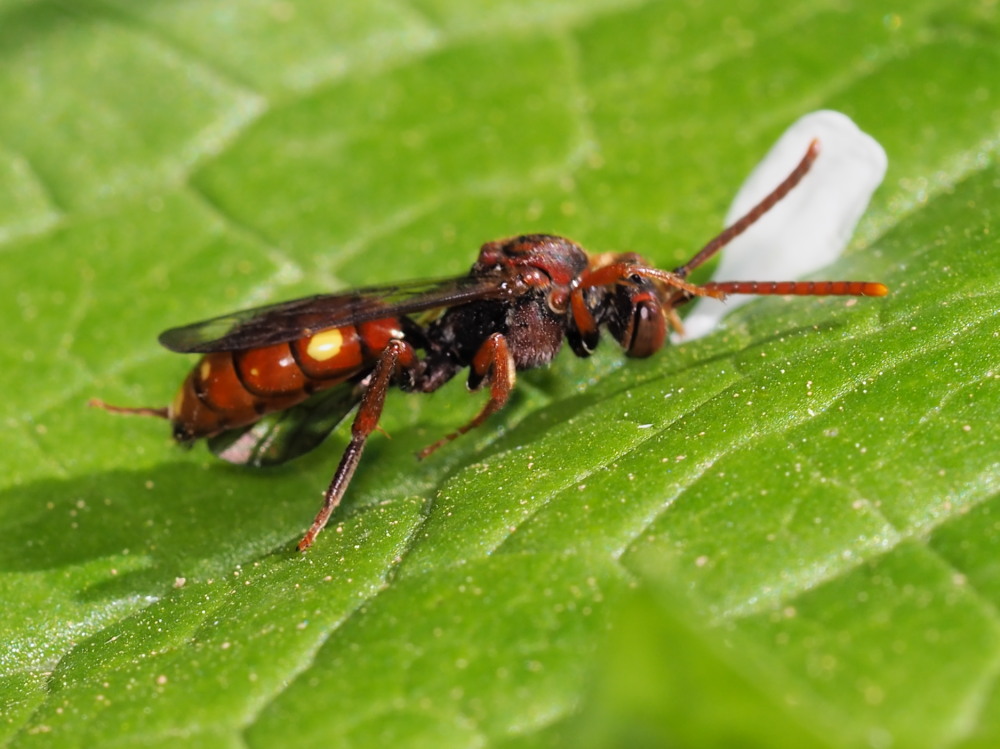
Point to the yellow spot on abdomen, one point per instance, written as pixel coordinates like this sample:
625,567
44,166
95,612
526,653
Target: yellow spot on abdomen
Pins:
326,344
177,405
205,370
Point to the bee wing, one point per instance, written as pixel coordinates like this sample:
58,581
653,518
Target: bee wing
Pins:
300,318
281,436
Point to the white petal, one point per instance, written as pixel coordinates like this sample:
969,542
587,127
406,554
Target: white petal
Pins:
812,225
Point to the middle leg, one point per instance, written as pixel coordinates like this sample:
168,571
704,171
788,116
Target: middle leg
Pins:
493,360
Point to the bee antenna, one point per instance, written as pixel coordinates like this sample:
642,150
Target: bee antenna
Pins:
750,218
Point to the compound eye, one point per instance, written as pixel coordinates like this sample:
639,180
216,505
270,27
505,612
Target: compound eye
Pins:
647,330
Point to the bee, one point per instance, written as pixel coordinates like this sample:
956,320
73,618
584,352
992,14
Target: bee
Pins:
274,381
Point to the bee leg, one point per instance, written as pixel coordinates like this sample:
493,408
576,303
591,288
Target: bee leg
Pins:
493,360
398,354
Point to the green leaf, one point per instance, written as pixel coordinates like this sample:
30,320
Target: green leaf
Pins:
782,534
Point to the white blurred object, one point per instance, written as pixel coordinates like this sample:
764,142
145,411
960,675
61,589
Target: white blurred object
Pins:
812,225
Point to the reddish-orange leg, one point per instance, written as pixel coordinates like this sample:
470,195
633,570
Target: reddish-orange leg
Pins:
492,360
397,354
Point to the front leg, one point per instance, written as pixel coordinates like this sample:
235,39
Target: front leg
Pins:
397,354
493,360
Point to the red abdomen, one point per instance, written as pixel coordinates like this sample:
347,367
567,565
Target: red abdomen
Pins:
231,389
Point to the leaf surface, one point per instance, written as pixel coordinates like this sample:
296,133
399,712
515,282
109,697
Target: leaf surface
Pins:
783,533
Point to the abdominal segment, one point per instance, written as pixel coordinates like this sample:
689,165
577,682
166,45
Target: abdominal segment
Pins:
231,389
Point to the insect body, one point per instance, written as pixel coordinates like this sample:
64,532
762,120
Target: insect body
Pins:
274,381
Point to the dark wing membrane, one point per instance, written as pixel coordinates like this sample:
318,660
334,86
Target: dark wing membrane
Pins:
283,435
300,318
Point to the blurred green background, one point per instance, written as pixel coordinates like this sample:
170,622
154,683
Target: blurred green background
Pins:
782,535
